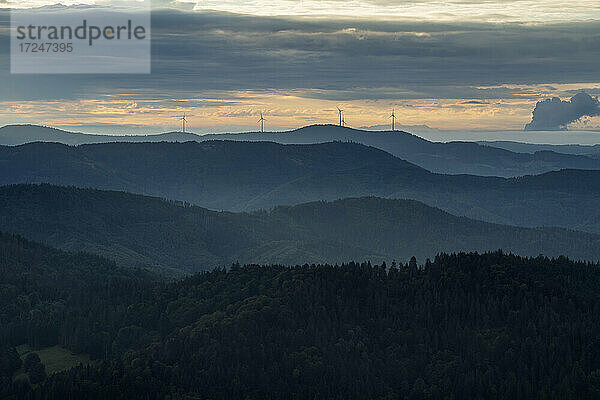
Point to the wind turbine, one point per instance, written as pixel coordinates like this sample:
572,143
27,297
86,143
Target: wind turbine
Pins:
393,117
183,121
340,111
262,122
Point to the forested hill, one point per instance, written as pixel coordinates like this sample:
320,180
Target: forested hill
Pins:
532,148
12,135
445,158
448,158
241,176
43,292
466,326
218,175
174,237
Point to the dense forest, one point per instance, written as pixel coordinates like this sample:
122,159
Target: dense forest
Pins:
176,237
247,176
461,326
50,297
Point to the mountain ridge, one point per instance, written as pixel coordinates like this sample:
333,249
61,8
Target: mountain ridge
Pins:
449,158
142,231
244,176
519,147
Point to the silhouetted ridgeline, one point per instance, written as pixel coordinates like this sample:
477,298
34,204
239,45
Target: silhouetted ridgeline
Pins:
446,158
465,326
248,176
518,147
141,231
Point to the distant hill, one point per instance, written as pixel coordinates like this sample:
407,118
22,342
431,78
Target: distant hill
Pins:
14,135
568,198
244,176
447,158
532,148
221,175
141,231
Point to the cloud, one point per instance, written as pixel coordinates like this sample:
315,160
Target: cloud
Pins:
488,10
555,114
335,59
225,60
472,10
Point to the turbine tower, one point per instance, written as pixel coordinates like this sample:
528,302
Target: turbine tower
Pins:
183,121
393,117
262,122
341,112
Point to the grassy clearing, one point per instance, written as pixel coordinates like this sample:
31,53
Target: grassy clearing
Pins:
55,358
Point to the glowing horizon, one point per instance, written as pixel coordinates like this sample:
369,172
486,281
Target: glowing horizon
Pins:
501,11
447,65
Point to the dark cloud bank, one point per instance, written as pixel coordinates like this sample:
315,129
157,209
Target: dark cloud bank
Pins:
555,114
197,52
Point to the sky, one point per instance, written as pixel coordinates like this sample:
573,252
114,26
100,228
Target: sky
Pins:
451,66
